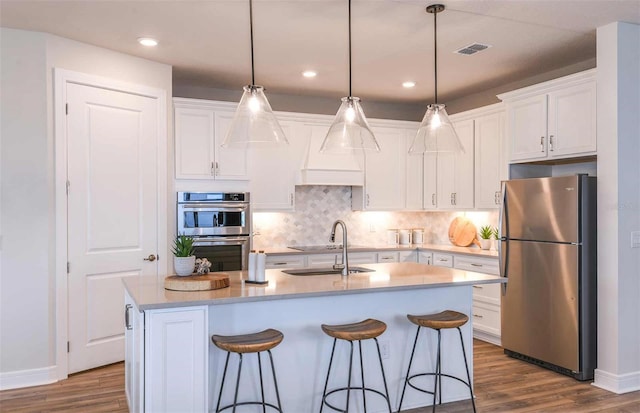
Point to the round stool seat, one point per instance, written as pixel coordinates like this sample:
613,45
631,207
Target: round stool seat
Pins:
444,319
249,343
362,330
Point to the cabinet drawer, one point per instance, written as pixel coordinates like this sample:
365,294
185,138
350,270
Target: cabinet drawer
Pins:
362,258
285,261
486,317
389,256
488,293
327,260
442,260
485,265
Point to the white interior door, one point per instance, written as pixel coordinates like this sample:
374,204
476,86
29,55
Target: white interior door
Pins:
112,139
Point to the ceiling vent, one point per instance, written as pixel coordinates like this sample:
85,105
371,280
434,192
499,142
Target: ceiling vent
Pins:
472,49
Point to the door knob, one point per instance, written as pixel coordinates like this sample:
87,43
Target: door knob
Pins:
151,257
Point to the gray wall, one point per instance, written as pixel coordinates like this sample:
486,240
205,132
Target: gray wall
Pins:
27,206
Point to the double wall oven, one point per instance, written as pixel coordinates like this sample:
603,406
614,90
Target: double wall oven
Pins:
220,223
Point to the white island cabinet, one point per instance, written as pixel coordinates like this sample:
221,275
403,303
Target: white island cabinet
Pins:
176,369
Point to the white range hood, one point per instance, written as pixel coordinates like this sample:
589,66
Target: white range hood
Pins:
329,169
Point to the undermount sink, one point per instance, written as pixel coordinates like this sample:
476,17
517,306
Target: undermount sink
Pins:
325,271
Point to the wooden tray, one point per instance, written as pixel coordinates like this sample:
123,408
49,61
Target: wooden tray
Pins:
462,232
212,281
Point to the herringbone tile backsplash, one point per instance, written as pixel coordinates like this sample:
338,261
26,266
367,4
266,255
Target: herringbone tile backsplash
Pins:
317,207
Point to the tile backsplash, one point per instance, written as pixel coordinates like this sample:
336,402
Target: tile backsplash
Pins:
317,207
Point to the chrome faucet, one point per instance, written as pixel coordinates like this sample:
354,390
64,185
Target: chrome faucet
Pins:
344,266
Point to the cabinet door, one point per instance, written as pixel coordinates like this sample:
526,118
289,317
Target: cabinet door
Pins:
272,172
425,257
572,121
194,143
527,128
414,175
385,171
430,181
488,160
177,360
230,163
134,356
455,172
409,256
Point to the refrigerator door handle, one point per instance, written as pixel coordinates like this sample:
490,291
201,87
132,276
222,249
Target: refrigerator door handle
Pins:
503,256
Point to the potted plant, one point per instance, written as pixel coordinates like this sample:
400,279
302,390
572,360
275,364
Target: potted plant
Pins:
486,232
496,237
184,261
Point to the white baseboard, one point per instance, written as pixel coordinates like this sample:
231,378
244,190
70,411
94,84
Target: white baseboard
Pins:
489,338
28,378
617,383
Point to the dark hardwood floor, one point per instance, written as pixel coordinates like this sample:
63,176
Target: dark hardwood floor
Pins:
502,385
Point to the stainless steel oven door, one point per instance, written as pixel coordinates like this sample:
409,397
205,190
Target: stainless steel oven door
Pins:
224,218
224,253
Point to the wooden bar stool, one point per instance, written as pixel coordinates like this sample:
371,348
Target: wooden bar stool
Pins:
364,330
444,320
249,343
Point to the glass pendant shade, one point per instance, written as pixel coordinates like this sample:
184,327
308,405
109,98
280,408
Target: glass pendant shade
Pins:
436,133
349,130
254,122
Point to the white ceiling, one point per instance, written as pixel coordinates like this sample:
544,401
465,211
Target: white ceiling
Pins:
207,42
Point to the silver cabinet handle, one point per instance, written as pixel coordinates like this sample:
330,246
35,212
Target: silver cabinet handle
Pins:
451,201
291,199
496,197
476,265
551,143
151,258
127,320
478,287
433,199
542,144
217,168
279,263
213,168
455,198
478,316
368,200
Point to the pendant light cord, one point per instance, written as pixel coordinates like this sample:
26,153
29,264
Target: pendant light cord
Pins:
253,78
435,55
349,48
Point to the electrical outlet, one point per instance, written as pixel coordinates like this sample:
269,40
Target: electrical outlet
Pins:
384,349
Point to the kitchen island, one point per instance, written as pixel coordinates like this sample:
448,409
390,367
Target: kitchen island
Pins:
171,364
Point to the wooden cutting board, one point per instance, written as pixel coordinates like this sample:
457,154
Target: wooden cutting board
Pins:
211,281
462,232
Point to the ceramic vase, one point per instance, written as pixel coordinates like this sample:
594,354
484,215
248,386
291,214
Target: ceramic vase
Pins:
184,265
485,244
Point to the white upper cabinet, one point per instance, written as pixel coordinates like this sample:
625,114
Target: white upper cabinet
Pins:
384,182
455,171
490,159
273,171
414,175
200,129
553,120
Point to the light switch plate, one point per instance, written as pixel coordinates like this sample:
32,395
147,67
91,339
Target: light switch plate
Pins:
635,239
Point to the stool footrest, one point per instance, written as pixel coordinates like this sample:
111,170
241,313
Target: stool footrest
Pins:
324,399
436,375
252,403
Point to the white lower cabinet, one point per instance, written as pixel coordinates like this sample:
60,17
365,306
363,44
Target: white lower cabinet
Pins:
285,261
389,256
166,359
425,257
408,256
442,260
486,298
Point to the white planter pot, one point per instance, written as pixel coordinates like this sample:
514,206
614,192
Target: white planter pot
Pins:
485,244
184,265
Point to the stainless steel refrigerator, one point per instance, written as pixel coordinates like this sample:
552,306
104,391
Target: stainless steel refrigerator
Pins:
548,253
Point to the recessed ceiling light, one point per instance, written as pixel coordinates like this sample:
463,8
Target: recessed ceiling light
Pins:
408,84
147,41
309,73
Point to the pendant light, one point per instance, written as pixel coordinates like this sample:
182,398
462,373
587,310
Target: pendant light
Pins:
350,129
436,132
254,121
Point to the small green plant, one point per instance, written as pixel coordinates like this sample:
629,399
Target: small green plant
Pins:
183,246
486,231
496,234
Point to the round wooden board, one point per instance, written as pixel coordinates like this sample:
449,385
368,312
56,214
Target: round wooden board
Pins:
462,232
212,281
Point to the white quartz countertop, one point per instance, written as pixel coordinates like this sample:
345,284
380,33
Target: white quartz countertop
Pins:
474,251
149,292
